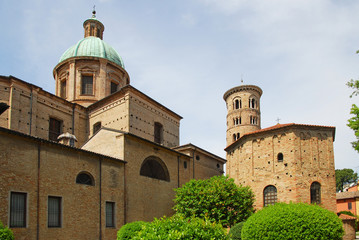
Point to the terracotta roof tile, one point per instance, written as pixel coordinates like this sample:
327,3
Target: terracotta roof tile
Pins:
277,126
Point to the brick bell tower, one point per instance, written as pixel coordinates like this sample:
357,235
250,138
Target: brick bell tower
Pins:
243,111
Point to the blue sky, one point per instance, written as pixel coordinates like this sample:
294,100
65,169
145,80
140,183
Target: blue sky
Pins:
186,54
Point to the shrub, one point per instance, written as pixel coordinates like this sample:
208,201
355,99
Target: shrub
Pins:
293,221
128,230
235,232
217,199
5,233
179,227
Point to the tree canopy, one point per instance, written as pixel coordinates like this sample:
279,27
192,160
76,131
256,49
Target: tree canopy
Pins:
344,176
353,122
217,199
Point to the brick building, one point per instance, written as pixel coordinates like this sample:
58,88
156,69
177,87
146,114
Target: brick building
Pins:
282,163
98,154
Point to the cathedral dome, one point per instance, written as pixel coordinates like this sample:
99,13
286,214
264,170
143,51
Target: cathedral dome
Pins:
93,47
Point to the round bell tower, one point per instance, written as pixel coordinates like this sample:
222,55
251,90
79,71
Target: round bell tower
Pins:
243,111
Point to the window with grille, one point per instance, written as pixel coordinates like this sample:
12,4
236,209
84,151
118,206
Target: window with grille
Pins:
85,178
315,193
269,195
110,214
54,129
154,167
87,85
18,209
54,212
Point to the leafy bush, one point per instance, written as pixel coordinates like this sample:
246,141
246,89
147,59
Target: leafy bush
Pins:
217,199
5,233
235,232
179,227
293,221
128,230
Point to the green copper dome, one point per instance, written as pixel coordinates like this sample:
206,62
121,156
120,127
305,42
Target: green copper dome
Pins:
93,47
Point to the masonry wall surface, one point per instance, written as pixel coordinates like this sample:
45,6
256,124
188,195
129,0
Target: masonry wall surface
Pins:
308,157
41,169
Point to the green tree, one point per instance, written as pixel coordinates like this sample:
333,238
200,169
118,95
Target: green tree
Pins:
5,233
218,199
353,122
293,221
344,176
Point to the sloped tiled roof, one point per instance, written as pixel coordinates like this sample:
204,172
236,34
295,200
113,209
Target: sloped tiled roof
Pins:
275,127
347,195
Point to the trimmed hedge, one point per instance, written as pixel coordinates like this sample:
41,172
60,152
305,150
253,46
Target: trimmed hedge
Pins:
293,221
179,227
235,231
128,230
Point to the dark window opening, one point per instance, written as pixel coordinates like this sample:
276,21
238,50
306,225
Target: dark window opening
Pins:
280,157
87,85
18,210
54,129
315,193
185,164
114,87
240,103
154,167
110,214
234,137
85,178
269,195
96,127
349,206
236,103
197,157
63,89
158,133
238,135
98,33
218,165
240,120
54,212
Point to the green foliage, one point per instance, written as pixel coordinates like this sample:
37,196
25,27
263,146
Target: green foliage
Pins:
217,199
344,176
353,123
235,232
128,230
5,233
355,85
293,221
347,213
178,227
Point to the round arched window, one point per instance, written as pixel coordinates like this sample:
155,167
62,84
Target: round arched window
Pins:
85,178
269,195
280,157
154,167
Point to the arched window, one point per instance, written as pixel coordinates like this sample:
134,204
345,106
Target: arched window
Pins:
234,137
240,103
154,167
238,135
236,103
96,127
315,193
85,178
280,157
240,120
269,195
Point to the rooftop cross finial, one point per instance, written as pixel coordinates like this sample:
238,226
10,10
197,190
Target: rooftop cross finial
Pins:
278,119
94,12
